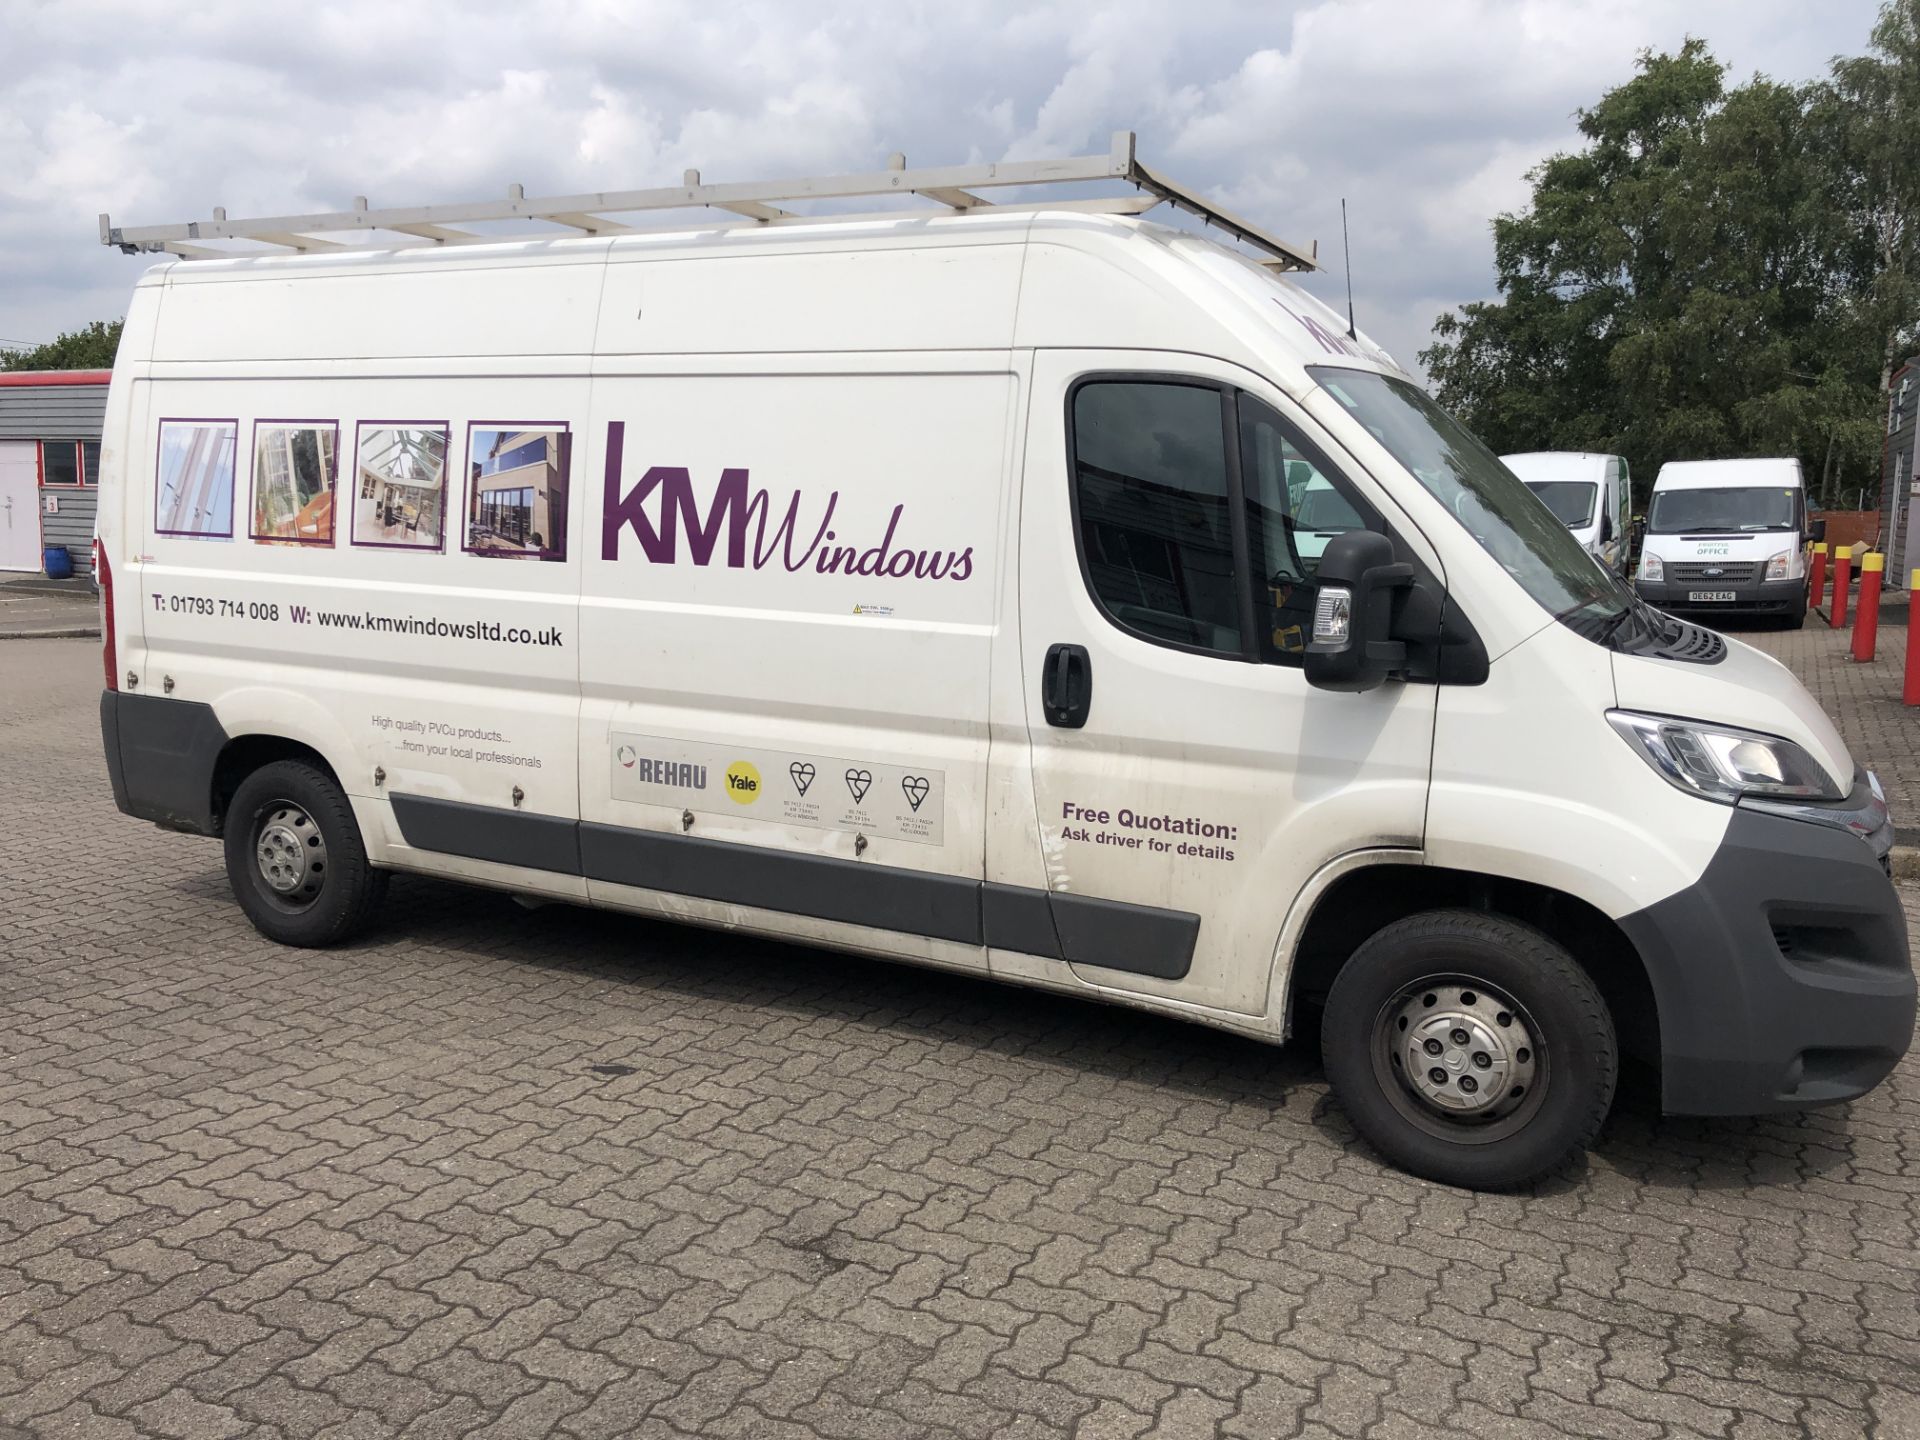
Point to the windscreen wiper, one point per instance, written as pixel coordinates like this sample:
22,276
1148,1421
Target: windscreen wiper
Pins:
1608,628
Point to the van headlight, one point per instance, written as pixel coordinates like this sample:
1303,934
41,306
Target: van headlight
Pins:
1777,565
1719,762
1651,568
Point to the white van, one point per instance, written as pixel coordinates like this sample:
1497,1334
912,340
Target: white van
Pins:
1589,494
1728,537
933,589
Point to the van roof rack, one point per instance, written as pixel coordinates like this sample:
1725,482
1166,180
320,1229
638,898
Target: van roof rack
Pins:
952,187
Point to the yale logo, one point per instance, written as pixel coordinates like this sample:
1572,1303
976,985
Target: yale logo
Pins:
743,782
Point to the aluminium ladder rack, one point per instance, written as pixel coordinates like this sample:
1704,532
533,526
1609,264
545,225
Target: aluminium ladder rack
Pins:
952,187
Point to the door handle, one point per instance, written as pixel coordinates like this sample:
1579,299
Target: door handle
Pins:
1066,686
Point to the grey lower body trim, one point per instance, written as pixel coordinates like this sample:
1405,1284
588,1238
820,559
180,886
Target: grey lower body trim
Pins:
941,907
1092,932
534,842
161,755
1014,917
1141,939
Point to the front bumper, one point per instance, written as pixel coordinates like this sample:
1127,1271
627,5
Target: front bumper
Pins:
1782,975
1762,597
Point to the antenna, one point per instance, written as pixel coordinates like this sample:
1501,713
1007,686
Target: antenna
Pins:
1346,258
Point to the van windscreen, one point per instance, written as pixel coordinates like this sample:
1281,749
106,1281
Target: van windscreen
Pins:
1489,500
1571,501
1734,509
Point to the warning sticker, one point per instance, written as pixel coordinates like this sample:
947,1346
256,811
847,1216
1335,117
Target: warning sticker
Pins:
818,792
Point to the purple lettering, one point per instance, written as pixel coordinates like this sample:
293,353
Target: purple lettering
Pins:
677,508
613,510
877,554
757,510
735,508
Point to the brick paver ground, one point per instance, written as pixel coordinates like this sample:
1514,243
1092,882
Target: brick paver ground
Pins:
520,1174
1864,700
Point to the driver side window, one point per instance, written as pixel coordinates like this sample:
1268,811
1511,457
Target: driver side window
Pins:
1153,499
1296,507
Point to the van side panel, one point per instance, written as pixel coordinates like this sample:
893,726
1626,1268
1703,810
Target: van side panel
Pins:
781,299
787,626
422,304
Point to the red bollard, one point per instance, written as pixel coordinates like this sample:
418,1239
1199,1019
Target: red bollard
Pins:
1866,623
1817,577
1842,578
1910,692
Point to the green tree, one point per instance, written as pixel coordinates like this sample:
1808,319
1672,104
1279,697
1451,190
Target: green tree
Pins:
1872,104
1714,273
90,349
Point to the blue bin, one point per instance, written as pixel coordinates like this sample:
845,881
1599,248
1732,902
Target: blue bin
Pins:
59,564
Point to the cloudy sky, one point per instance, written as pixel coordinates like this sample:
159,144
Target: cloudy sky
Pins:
1424,114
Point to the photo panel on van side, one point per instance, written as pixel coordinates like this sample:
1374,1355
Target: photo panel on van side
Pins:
298,528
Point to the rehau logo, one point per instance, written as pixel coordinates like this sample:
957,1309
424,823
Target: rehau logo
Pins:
739,522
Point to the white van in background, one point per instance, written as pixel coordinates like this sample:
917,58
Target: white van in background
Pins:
944,590
1590,494
1728,537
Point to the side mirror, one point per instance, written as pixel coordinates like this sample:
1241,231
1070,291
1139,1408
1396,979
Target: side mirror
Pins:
1637,531
1353,613
1606,526
1817,530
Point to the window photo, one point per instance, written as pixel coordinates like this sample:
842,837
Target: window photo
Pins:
517,491
194,488
400,487
294,465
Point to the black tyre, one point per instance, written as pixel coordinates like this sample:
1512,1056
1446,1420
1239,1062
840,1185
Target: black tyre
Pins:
1796,617
1470,1049
295,857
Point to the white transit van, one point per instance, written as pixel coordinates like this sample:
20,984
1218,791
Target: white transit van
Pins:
928,587
1728,537
1589,494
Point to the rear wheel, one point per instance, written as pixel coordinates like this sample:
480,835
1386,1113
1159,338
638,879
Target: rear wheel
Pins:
295,857
1470,1049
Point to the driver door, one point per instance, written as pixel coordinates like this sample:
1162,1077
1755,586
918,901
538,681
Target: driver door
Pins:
1204,782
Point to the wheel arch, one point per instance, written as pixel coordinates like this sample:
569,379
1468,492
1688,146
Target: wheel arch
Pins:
264,725
244,754
1364,898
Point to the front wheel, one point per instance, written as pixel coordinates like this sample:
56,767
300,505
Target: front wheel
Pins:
1470,1049
295,858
